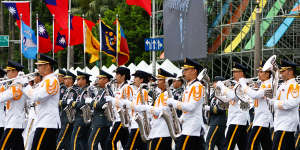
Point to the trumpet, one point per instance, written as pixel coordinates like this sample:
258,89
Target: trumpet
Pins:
109,112
21,75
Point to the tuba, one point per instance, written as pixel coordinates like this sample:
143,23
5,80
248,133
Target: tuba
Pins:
172,121
205,78
271,66
109,111
143,122
218,94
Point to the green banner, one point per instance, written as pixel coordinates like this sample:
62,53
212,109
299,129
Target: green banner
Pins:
4,41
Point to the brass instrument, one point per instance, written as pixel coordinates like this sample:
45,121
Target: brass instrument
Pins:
109,112
224,105
271,66
205,78
244,98
20,76
124,115
172,121
86,109
143,122
297,79
70,112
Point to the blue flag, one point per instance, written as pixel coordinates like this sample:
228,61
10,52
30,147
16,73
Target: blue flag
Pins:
29,42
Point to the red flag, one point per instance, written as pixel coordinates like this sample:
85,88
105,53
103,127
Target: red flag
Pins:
60,38
45,44
77,30
146,4
122,46
17,8
59,8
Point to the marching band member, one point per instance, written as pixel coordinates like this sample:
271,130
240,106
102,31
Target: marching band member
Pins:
15,116
100,124
191,106
123,91
70,94
47,94
286,105
134,139
28,133
2,112
217,122
237,118
61,74
159,133
263,119
80,129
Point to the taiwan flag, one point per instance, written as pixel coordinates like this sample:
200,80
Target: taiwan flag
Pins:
59,8
16,8
60,38
45,44
76,31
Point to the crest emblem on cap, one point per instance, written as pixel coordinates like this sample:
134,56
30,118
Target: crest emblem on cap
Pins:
260,62
184,60
159,71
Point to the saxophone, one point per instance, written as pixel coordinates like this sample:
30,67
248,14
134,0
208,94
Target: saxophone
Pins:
143,122
172,120
109,112
124,115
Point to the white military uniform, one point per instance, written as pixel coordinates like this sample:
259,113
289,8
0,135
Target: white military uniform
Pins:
15,114
2,112
47,94
159,127
125,91
191,104
286,106
262,115
135,103
236,115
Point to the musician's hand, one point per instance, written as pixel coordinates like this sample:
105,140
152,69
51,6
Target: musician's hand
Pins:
88,100
243,81
206,107
69,101
171,101
219,84
268,92
104,106
108,98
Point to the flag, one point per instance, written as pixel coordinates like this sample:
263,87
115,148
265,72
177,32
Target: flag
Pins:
146,4
45,44
91,44
60,38
76,29
16,8
29,46
108,45
122,46
59,8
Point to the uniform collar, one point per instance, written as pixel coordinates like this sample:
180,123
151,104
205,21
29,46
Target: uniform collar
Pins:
193,81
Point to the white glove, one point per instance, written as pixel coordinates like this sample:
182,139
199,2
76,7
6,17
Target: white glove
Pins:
141,108
243,81
207,108
171,101
109,98
272,101
125,103
104,106
69,101
88,100
219,84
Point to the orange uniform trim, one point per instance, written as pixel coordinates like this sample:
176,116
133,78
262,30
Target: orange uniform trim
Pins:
293,91
17,93
51,89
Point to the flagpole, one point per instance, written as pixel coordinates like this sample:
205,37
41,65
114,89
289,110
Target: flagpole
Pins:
37,35
117,31
100,47
21,38
31,60
84,41
69,38
153,36
53,30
